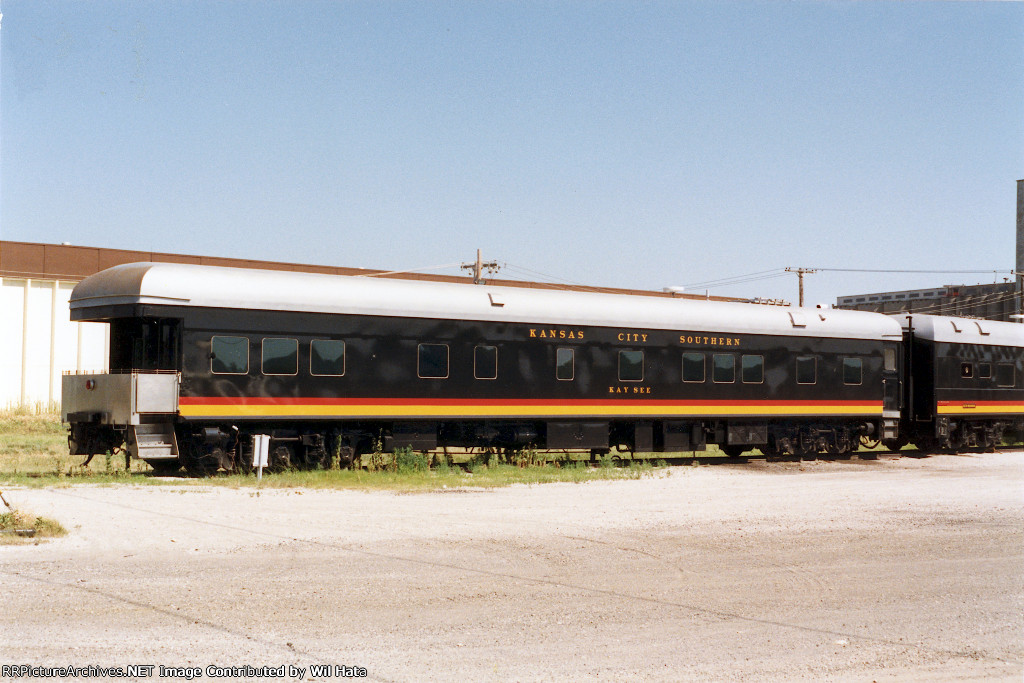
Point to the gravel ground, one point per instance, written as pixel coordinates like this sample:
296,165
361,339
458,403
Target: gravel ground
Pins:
896,569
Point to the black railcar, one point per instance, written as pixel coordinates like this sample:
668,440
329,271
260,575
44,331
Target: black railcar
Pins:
331,366
963,381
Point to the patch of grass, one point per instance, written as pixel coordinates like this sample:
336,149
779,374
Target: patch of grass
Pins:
34,452
34,446
11,523
421,479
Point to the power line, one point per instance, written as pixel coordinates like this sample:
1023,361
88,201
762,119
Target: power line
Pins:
904,270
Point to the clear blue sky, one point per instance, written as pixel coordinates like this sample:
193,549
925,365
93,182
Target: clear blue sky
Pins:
629,144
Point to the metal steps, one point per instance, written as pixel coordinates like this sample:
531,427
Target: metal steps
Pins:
154,441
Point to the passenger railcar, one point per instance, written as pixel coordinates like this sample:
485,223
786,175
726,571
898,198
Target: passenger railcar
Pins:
203,358
963,381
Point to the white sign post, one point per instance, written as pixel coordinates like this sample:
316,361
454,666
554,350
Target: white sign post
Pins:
260,453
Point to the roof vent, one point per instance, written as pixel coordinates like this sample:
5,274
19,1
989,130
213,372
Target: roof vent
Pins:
797,319
494,300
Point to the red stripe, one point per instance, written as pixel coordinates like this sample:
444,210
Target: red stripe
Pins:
259,400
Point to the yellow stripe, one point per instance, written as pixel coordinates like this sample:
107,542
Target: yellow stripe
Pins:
352,411
972,408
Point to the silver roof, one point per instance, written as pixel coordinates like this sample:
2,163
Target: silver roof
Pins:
218,287
942,328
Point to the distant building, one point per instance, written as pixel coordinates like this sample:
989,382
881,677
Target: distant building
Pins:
992,302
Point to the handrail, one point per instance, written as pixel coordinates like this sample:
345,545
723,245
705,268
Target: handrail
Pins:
120,372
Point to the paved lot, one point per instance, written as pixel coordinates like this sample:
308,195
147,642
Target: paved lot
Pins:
908,569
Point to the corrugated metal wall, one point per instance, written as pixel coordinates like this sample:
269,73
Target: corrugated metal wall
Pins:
39,342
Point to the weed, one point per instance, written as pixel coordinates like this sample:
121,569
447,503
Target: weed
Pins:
11,523
408,460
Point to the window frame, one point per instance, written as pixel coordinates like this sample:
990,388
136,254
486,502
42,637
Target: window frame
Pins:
703,367
447,360
796,373
263,346
860,370
213,354
572,363
344,358
760,368
889,363
714,368
642,368
1013,375
476,364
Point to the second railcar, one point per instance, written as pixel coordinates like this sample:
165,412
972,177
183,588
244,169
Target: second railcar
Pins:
964,380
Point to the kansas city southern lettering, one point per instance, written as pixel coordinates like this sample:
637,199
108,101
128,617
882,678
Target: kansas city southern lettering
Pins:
708,341
556,333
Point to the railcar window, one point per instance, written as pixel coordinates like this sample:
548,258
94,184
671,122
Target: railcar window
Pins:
485,362
229,355
723,368
433,361
565,363
853,371
806,370
889,359
966,370
631,366
1004,375
280,356
984,370
752,369
693,367
327,357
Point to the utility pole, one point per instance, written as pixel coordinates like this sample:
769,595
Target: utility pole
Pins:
478,268
800,272
1019,275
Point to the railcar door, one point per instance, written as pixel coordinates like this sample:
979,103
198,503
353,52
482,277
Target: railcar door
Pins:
891,385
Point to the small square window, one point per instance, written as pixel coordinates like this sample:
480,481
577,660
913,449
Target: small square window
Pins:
723,368
565,363
485,362
806,370
693,367
752,369
631,366
229,355
280,356
966,370
433,361
1005,375
984,370
327,357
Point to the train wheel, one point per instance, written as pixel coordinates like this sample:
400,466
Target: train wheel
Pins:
897,444
200,464
281,458
807,446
